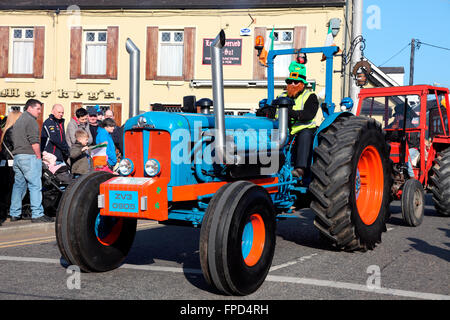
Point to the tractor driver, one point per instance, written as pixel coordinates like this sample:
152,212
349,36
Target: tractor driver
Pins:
301,116
413,138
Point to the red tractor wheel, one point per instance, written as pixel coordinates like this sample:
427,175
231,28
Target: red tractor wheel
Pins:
413,202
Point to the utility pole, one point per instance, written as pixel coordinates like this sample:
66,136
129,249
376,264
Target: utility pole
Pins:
356,57
411,62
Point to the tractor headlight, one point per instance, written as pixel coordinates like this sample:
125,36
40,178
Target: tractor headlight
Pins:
126,167
152,167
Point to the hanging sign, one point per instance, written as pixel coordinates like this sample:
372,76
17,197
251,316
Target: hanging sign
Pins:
232,52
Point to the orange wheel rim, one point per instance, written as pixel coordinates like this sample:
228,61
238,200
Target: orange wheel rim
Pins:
253,239
369,185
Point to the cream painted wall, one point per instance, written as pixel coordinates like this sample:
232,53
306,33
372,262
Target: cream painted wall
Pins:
133,25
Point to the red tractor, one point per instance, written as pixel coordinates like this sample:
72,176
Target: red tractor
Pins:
415,121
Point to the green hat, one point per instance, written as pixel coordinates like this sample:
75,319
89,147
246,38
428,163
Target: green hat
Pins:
297,71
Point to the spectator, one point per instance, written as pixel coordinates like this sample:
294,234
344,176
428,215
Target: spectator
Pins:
100,115
6,161
79,156
93,122
53,137
80,121
117,134
27,164
104,135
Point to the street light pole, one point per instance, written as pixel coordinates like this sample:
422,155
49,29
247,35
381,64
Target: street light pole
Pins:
356,57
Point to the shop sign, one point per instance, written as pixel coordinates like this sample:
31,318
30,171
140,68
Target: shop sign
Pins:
232,52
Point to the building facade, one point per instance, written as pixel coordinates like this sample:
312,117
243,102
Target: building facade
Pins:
76,55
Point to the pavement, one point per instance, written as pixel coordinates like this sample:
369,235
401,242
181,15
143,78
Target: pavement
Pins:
15,227
23,227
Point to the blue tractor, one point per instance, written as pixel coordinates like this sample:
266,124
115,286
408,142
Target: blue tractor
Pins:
231,175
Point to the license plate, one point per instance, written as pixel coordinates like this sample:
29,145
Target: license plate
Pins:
123,201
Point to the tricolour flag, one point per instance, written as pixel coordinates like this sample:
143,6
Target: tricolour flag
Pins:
98,154
329,41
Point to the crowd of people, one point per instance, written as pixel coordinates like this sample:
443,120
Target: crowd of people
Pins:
25,149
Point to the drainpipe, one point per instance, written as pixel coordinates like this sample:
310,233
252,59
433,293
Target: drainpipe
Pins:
135,67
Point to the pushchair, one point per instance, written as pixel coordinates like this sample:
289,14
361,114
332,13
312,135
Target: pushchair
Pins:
53,186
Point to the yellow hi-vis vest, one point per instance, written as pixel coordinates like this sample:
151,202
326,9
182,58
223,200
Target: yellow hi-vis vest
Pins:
299,105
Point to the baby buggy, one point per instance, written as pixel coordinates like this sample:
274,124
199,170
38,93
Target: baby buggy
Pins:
53,186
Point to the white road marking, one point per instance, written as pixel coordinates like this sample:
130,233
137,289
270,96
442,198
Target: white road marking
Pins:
270,278
358,287
290,263
160,268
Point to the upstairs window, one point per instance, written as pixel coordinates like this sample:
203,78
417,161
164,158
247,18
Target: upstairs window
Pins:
283,39
171,51
22,55
94,53
95,48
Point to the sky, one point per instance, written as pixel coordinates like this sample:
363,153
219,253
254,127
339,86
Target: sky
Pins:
389,25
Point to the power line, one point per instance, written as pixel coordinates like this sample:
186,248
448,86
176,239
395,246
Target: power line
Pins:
419,43
395,54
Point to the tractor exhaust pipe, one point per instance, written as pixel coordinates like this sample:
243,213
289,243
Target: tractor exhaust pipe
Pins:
218,96
135,66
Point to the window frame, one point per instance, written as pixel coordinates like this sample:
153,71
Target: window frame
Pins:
84,45
292,42
10,74
160,44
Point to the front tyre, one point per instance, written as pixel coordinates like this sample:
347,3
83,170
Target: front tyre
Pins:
413,202
237,239
95,243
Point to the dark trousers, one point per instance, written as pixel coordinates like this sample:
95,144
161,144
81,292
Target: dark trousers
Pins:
303,148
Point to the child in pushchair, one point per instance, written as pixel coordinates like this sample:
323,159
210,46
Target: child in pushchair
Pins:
55,179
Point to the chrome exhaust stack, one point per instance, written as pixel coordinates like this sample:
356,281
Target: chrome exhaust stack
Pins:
218,96
281,136
135,66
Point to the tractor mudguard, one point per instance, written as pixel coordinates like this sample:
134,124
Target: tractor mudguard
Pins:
327,122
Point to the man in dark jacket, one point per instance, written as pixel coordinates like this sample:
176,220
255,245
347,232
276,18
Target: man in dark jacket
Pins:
53,137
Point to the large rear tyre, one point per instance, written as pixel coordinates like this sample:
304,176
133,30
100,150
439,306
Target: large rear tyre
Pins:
413,202
440,182
351,183
94,243
237,239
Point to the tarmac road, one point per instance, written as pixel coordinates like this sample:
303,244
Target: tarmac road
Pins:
410,263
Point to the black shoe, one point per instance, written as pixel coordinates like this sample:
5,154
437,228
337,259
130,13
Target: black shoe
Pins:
12,219
298,173
44,218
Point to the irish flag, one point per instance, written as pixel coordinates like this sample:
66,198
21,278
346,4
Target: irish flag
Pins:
328,41
98,154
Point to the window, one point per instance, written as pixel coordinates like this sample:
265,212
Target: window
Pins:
283,39
170,54
94,53
95,49
22,55
171,51
15,107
